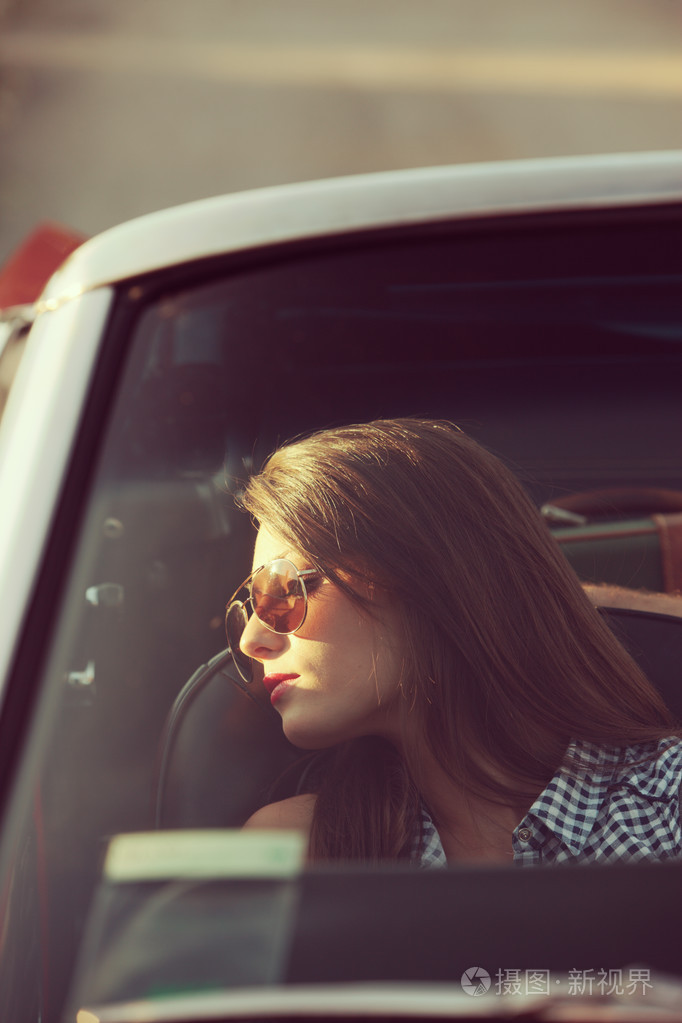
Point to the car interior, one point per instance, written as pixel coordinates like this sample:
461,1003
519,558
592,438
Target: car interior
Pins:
554,339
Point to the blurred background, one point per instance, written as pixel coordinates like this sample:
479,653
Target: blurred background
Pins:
114,108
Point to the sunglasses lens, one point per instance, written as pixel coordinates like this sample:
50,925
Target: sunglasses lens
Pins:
278,597
235,623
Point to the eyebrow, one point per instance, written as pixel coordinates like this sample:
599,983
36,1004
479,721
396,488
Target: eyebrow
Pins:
282,557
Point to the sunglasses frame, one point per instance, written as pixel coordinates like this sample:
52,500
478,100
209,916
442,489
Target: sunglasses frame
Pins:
300,574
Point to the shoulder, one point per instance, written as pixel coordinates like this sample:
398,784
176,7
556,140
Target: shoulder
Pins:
295,813
655,762
646,795
662,777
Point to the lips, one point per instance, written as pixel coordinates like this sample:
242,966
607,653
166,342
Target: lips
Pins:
276,683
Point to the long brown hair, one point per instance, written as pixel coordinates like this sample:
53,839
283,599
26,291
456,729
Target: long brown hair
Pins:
505,660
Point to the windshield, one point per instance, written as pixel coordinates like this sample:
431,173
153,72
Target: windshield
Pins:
557,345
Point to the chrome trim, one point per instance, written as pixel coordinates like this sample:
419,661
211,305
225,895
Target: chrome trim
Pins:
49,305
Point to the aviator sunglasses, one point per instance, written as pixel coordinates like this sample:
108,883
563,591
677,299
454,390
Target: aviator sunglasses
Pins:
278,598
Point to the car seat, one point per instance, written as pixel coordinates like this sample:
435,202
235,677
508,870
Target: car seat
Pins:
223,754
630,538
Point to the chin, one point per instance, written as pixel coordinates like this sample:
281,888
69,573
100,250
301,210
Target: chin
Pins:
307,737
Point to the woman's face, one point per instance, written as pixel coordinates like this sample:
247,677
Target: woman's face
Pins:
338,676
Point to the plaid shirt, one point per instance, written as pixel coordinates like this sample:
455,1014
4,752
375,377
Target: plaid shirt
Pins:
615,809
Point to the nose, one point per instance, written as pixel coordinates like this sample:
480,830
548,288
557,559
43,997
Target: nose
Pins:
260,643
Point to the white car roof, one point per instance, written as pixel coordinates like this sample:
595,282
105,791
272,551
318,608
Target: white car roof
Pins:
245,220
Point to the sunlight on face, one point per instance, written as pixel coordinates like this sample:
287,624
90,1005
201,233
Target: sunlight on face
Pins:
336,677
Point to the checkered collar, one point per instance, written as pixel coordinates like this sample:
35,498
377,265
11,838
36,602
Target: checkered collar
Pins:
568,808
567,813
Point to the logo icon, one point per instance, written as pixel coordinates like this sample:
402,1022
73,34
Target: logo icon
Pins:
475,981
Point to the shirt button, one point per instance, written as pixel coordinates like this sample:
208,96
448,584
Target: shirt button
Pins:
525,834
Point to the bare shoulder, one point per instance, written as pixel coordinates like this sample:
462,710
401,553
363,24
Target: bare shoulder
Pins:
295,813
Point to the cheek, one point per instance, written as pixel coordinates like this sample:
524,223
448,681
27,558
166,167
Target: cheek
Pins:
344,643
332,620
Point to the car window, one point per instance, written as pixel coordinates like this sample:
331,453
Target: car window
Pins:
556,341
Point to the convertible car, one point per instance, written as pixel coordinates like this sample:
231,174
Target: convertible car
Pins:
539,305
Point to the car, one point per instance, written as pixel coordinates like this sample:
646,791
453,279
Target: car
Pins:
536,303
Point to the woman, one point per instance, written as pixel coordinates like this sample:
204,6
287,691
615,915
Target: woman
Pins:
415,618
